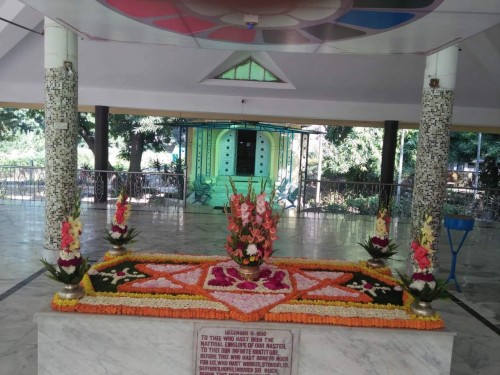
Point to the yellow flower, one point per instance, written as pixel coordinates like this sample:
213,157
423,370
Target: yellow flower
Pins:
76,224
75,245
381,228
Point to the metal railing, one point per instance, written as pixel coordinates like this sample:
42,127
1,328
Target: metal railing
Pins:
362,198
151,188
170,190
22,183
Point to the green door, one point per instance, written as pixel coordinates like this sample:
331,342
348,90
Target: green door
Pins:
262,155
227,149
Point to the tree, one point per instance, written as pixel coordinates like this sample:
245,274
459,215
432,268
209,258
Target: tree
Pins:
463,146
409,154
490,174
140,134
354,153
86,129
15,121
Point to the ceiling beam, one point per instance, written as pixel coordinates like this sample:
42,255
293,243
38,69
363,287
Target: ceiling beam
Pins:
269,119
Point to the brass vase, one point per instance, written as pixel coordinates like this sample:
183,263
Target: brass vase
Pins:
249,273
375,263
118,250
72,291
421,308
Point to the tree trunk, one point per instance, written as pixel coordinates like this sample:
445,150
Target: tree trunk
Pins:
89,139
136,150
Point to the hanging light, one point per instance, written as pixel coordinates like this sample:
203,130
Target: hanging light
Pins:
251,20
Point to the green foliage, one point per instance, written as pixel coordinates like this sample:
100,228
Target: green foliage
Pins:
409,153
33,150
353,154
426,294
463,146
154,132
490,173
86,128
377,253
176,167
401,208
363,205
15,121
337,134
122,240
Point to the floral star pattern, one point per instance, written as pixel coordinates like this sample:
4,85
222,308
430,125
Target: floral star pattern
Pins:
210,287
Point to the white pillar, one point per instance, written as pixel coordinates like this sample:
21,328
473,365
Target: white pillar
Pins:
442,66
60,45
61,129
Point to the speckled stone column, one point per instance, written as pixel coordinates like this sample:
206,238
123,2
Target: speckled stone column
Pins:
61,125
429,191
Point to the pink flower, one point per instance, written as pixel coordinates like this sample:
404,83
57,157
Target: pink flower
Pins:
120,212
245,216
424,262
66,238
248,285
261,203
244,208
420,252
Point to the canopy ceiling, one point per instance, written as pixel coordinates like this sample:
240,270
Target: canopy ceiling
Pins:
343,61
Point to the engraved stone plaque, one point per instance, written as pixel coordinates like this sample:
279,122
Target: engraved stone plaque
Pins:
238,351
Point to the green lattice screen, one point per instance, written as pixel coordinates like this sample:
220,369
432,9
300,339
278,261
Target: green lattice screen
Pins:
248,70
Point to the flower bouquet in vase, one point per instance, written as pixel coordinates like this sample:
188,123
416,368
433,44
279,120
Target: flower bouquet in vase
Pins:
70,267
120,233
252,229
380,246
422,285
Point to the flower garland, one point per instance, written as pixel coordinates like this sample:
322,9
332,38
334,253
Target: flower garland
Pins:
120,233
423,286
252,226
293,290
70,267
380,246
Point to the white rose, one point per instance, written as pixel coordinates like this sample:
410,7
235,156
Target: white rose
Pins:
115,235
69,270
252,249
420,285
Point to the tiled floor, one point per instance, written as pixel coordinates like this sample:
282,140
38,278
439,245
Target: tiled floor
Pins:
23,291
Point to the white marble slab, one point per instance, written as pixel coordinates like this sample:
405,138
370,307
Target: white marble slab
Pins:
100,344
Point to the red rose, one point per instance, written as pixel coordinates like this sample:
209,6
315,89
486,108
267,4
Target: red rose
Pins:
68,263
427,277
380,242
116,228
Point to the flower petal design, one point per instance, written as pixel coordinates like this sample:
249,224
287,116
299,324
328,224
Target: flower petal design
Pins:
248,303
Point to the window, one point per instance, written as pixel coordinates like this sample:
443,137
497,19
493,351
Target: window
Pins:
248,70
